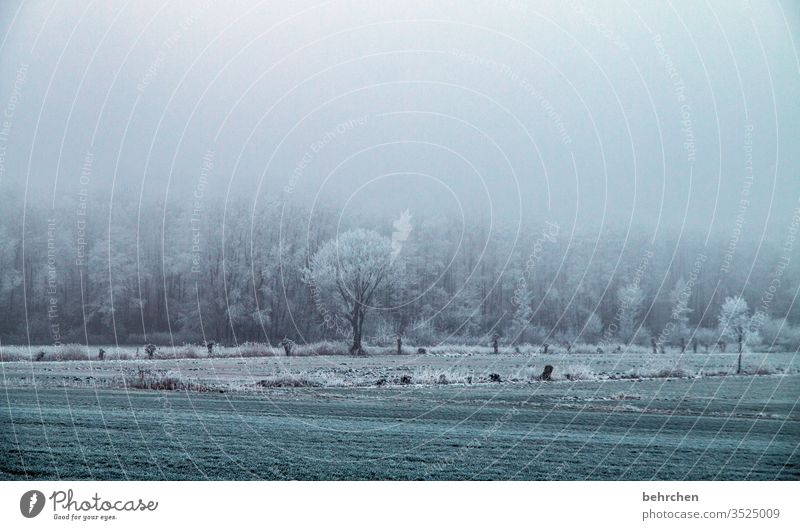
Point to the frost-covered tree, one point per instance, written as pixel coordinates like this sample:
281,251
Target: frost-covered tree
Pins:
592,328
401,303
345,275
523,314
178,273
10,277
114,280
629,299
679,300
734,321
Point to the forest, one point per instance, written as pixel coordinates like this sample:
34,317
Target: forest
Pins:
175,272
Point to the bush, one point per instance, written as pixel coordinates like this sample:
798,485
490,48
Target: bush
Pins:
578,373
70,352
248,349
13,353
642,338
423,334
707,337
672,372
148,379
288,382
184,351
780,335
321,348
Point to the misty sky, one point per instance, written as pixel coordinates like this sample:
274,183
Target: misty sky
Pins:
643,114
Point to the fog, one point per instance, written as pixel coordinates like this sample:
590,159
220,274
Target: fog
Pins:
623,113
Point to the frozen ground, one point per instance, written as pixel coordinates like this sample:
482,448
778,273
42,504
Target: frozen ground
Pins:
71,420
255,373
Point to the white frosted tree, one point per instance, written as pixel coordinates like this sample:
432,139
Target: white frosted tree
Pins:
629,300
679,299
680,310
735,321
520,323
592,328
10,277
347,273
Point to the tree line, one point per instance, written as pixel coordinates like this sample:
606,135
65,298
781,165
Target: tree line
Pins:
266,270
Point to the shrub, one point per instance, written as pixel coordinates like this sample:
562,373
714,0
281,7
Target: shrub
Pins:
641,338
288,382
578,373
70,352
319,348
185,351
780,334
706,337
148,379
250,349
671,372
423,334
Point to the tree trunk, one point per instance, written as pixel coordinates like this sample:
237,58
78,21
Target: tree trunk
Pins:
399,345
357,321
356,347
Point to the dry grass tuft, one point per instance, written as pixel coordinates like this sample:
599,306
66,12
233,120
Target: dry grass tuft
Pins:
143,378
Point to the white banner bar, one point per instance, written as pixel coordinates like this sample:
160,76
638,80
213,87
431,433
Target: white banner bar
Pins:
225,505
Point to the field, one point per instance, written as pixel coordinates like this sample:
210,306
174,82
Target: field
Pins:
610,416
